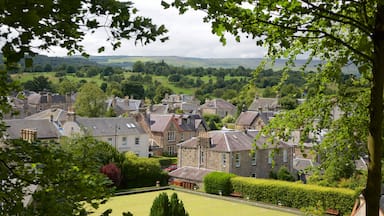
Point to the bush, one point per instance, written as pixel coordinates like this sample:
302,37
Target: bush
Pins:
162,206
284,174
295,195
216,182
112,172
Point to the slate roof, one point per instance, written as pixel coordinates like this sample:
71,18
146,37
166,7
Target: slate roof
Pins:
302,163
57,114
159,123
264,103
230,141
190,173
123,105
45,128
247,118
110,126
218,103
159,108
190,143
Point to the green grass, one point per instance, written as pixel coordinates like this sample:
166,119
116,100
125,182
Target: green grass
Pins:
140,205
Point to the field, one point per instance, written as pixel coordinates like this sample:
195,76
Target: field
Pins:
140,204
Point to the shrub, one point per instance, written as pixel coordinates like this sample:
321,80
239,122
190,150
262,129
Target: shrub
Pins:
295,195
216,182
112,172
284,174
162,206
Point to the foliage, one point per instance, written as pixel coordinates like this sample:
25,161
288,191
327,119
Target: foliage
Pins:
291,28
218,182
63,186
40,83
112,172
213,121
162,206
284,174
90,101
295,195
141,172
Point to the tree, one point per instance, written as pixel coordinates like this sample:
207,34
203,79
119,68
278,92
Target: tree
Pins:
33,26
67,87
290,28
112,172
90,101
162,206
40,83
62,185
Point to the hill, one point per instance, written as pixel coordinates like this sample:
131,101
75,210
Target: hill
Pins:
128,61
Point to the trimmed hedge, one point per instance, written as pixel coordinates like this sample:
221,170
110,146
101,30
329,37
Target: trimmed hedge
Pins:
295,195
216,182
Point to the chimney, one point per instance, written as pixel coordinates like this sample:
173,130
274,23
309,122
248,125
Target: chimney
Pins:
71,115
28,135
49,98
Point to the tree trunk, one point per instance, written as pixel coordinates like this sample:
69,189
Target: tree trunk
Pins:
373,187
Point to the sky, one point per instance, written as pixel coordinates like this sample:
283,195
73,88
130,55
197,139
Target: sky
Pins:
188,35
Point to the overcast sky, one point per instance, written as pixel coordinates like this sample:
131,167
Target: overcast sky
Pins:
189,37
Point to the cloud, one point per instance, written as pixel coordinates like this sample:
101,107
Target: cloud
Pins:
189,37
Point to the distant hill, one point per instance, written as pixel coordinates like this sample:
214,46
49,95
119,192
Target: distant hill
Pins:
128,61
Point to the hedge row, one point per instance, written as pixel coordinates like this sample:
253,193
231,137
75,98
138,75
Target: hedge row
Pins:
218,182
295,195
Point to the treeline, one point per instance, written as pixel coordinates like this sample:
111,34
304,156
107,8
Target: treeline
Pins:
163,69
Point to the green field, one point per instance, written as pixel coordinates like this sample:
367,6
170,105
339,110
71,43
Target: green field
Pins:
140,205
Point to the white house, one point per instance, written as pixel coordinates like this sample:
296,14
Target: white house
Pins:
125,134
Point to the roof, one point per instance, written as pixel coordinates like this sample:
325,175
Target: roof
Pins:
56,113
124,105
302,163
45,128
218,103
159,123
190,143
264,103
247,118
230,141
159,108
110,126
190,173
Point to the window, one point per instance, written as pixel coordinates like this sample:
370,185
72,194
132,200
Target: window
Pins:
254,158
253,175
285,156
181,136
237,159
124,141
109,140
171,135
137,153
224,159
137,141
202,157
171,150
270,156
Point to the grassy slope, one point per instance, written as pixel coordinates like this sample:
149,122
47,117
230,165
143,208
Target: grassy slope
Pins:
140,204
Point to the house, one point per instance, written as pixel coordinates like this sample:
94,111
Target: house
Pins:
253,120
124,105
233,151
29,129
218,107
185,103
264,104
125,134
167,130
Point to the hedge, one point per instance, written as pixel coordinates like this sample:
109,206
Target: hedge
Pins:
294,194
216,182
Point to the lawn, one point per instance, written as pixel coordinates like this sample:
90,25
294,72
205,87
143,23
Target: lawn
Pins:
140,205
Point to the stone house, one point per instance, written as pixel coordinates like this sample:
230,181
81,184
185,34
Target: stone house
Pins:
167,130
236,152
218,107
185,103
125,134
253,120
264,104
124,105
